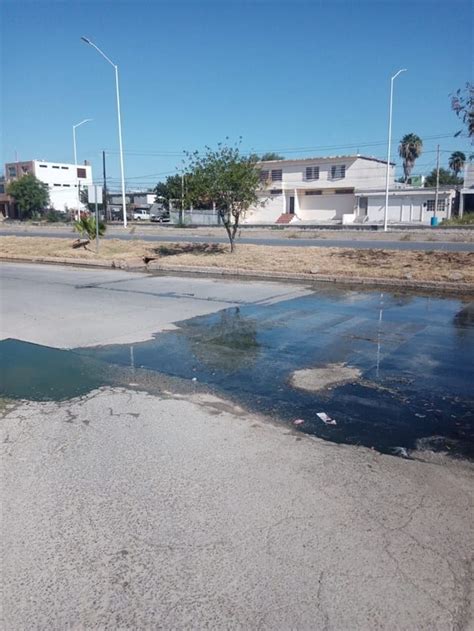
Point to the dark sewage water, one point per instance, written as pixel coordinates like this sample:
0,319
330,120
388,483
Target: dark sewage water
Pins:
415,355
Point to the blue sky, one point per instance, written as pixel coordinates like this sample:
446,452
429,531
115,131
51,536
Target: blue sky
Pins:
283,75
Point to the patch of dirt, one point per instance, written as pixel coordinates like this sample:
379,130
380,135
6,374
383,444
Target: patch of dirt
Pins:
316,379
174,249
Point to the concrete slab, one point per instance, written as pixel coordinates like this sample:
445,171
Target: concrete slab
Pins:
68,307
124,510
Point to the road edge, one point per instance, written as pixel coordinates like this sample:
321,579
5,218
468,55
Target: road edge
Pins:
154,266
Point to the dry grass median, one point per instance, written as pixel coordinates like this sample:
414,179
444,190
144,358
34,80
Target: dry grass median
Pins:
340,262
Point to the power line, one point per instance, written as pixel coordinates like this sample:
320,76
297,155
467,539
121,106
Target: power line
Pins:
177,153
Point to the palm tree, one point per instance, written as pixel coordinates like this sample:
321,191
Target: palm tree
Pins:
410,149
457,160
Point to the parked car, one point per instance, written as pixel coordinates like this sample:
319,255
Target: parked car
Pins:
141,214
159,214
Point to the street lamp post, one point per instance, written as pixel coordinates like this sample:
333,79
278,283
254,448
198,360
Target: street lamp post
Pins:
74,127
119,118
387,177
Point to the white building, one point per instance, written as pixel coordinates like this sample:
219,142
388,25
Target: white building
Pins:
64,180
340,189
405,205
466,197
315,189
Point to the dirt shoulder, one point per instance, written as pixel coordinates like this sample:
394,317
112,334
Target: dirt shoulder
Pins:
456,268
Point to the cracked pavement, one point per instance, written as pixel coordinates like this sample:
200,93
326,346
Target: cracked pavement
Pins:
125,510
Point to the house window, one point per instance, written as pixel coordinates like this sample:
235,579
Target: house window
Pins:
25,168
81,173
263,176
12,171
68,185
65,168
343,191
312,173
338,171
57,184
43,166
277,175
430,205
276,191
313,192
55,167
2,189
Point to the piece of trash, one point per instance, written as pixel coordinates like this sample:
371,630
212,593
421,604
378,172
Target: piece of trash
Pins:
400,451
325,418
132,383
420,415
298,421
194,379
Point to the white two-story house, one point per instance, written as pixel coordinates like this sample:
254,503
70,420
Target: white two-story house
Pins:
316,189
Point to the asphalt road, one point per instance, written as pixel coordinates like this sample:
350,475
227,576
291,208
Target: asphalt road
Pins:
146,507
288,242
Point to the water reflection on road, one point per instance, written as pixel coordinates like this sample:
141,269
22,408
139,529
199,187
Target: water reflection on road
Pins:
415,353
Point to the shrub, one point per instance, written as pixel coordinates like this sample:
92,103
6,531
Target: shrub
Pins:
465,220
53,216
86,226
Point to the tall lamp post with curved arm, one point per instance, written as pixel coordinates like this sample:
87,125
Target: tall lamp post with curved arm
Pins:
74,127
124,203
385,216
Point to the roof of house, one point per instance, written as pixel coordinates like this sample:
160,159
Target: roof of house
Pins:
314,158
371,192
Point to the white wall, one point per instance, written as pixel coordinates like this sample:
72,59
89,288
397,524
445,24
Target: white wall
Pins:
369,174
469,176
269,213
404,208
325,207
63,182
359,173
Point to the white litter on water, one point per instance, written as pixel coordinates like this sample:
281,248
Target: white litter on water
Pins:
325,418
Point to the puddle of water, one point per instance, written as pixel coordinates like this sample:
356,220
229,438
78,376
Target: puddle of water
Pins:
39,373
415,354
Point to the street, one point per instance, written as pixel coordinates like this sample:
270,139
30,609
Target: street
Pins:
142,498
375,240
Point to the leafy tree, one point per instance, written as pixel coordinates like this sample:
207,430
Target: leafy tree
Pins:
462,104
168,190
271,155
29,193
409,149
445,178
457,160
227,178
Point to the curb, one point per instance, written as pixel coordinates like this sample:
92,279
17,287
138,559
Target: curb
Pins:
153,266
457,286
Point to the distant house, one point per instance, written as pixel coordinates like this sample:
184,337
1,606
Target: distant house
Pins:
340,189
64,181
133,200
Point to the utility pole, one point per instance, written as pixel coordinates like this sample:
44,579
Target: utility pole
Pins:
437,182
181,219
104,196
